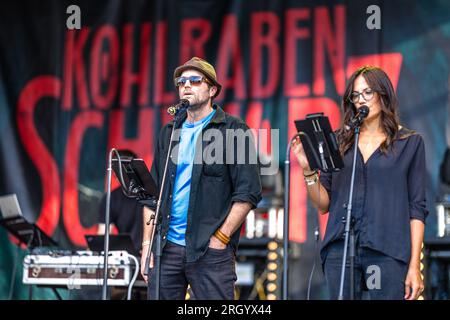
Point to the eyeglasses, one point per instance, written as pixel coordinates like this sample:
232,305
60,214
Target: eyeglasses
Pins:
367,94
193,80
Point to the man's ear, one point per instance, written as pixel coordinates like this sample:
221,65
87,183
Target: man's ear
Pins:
212,91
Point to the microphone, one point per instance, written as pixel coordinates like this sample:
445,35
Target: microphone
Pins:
173,110
358,119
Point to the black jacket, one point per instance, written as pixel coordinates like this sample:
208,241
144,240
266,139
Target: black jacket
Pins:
214,187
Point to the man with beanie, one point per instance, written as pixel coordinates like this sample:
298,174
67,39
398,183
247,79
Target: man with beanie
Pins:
204,203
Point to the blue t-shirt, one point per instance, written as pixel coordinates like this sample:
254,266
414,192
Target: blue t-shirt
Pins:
181,191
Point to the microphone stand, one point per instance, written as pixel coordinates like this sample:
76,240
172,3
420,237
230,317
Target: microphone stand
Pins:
349,231
287,167
156,223
107,219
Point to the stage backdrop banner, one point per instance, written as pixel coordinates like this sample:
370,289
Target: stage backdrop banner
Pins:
67,96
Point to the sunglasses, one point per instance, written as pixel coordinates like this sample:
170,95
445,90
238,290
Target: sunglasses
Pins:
367,94
193,80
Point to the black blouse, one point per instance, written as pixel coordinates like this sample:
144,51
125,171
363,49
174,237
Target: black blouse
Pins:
389,191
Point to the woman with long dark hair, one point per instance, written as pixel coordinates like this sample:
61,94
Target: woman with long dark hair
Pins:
389,206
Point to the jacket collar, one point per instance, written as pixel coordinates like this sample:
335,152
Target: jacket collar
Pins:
219,116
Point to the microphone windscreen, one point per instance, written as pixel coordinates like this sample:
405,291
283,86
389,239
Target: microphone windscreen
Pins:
364,110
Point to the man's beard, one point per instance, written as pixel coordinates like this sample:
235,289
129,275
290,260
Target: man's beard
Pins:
195,106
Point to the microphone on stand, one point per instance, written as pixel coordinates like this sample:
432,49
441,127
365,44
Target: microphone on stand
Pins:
177,111
358,119
349,239
183,104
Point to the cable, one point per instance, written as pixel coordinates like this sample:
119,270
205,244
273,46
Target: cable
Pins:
316,236
136,271
316,239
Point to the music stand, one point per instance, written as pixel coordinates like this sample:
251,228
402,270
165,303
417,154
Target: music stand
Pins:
135,178
319,143
322,152
25,232
13,221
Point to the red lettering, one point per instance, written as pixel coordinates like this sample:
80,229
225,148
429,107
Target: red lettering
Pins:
39,88
192,45
334,45
142,145
265,141
106,61
258,42
74,64
72,223
292,34
254,114
391,63
164,116
233,108
160,95
230,54
253,119
141,78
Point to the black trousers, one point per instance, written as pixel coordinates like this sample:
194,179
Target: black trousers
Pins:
212,277
382,276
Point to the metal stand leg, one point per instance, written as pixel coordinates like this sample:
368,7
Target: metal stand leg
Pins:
58,296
